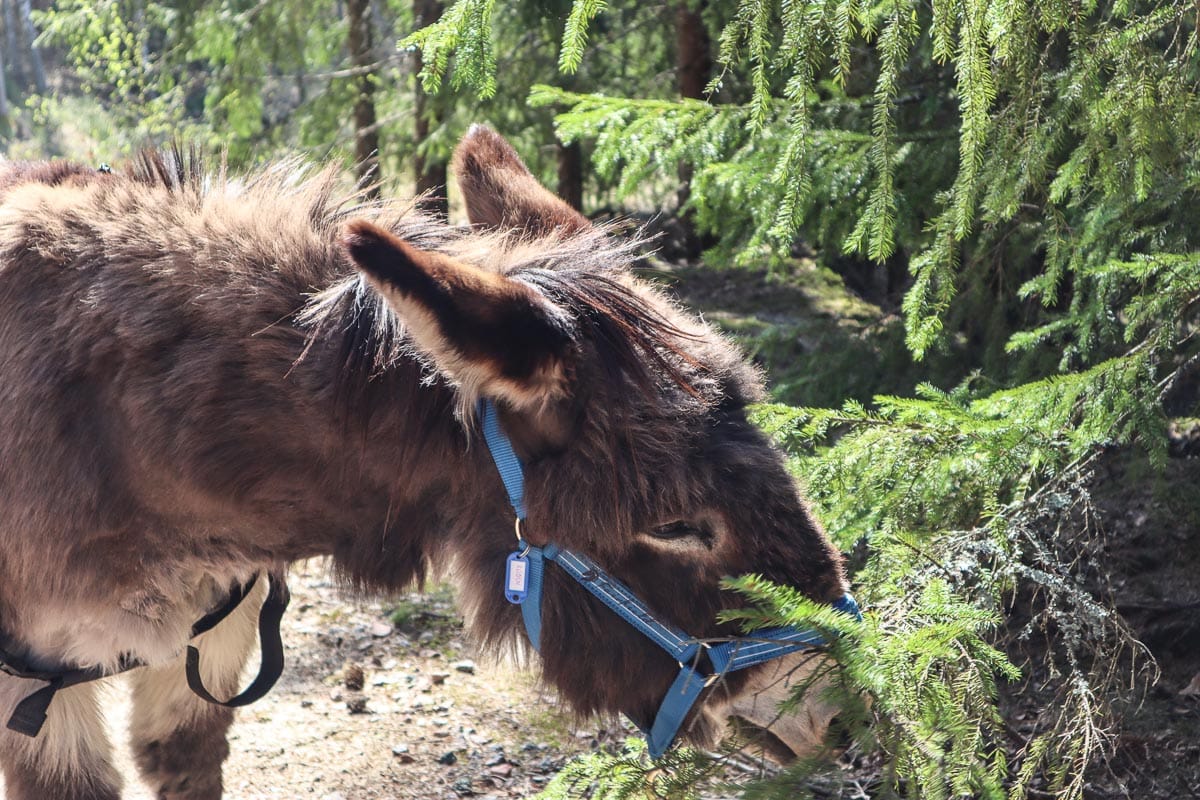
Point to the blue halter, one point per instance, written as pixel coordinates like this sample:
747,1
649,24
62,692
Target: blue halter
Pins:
523,586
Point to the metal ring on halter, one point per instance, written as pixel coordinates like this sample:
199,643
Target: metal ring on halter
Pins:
520,540
703,646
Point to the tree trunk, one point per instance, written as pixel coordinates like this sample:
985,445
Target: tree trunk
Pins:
366,132
430,172
570,174
693,58
35,57
3,89
11,46
693,68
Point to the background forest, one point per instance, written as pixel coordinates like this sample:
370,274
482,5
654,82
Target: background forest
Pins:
961,235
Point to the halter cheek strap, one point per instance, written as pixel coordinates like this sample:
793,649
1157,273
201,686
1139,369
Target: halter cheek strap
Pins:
725,656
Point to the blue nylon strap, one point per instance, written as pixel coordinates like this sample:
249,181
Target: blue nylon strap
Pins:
505,457
848,605
682,695
729,656
531,606
626,604
771,643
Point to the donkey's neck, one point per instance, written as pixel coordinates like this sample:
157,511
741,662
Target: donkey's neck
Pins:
274,441
393,478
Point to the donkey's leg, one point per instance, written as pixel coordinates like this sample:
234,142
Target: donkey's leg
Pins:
69,759
178,739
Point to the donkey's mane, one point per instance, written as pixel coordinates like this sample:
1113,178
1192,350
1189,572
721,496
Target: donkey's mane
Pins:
633,327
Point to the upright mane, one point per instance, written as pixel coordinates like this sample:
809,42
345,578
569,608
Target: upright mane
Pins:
585,273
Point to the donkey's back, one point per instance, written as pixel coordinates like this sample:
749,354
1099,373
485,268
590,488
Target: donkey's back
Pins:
144,410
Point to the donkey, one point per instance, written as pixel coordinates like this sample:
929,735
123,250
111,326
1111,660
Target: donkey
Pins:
206,378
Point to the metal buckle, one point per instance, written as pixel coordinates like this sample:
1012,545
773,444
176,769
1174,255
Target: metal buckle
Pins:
709,679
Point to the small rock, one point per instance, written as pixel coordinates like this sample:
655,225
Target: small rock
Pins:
428,653
466,665
400,751
498,758
501,770
448,758
356,703
353,677
462,787
381,629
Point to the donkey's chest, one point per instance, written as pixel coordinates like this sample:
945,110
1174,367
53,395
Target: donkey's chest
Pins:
150,624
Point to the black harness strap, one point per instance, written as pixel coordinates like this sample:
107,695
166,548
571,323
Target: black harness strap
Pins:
271,665
213,618
30,714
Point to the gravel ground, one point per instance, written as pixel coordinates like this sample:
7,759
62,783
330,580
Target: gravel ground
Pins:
370,710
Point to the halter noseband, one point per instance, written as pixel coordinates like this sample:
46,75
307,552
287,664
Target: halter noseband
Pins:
523,586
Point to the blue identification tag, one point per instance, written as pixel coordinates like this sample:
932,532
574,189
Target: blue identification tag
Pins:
516,578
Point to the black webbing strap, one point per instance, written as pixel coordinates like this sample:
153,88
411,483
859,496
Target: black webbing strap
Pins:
30,714
271,665
213,618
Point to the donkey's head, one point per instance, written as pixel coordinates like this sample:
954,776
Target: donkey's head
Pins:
630,418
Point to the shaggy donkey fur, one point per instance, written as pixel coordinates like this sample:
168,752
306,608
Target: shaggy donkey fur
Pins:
207,377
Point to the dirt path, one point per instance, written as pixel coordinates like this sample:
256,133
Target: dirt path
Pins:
429,721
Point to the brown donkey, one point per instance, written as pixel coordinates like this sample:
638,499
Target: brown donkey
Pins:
205,378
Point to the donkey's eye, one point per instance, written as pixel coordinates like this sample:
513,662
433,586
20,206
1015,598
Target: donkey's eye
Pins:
678,530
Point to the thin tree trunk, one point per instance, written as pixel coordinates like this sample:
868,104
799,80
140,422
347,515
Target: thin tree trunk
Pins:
693,69
570,174
12,48
35,58
366,132
693,59
3,89
430,172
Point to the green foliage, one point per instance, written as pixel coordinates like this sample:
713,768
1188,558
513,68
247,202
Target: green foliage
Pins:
983,142
626,776
1034,165
241,77
466,27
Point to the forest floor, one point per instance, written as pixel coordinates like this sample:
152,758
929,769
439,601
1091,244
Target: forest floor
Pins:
432,720
387,700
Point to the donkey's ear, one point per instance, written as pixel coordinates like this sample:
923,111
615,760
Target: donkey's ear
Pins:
491,335
500,192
